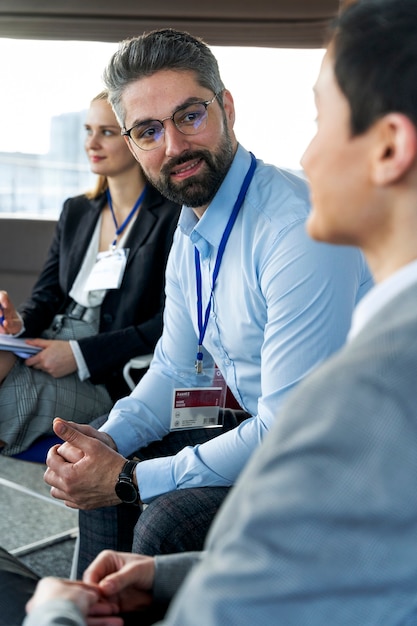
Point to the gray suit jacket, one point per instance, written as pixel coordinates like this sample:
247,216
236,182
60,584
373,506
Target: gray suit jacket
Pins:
321,527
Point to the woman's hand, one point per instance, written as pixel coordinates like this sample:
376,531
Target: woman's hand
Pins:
97,610
56,357
82,595
11,323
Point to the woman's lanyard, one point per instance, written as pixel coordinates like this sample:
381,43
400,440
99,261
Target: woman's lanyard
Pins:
120,229
202,326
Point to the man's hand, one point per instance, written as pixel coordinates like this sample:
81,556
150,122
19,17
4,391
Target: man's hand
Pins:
12,323
84,470
124,579
56,357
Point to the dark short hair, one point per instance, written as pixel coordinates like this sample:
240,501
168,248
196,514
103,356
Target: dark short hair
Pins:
374,46
165,49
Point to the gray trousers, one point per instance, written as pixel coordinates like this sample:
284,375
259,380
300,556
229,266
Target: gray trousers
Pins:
174,522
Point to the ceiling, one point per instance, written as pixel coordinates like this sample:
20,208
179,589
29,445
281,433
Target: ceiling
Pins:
272,23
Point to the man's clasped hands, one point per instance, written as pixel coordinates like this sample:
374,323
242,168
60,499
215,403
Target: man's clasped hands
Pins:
114,583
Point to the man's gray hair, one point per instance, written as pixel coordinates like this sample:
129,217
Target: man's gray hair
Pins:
157,50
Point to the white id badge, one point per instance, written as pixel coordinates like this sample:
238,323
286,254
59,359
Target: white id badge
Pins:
199,406
108,270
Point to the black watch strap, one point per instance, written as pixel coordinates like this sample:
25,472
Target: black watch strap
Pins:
128,469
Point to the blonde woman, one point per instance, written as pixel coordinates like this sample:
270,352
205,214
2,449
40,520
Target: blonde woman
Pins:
98,300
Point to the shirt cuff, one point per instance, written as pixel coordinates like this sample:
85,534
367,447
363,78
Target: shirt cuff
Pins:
83,371
170,572
154,478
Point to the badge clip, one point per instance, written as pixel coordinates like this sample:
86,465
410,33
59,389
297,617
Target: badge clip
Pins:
199,361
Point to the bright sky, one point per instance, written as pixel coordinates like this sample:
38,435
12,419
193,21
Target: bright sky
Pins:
272,90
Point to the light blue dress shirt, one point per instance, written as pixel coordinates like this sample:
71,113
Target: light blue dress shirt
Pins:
282,303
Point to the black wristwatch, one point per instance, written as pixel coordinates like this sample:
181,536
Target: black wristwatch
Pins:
125,488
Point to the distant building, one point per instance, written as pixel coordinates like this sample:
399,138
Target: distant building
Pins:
38,184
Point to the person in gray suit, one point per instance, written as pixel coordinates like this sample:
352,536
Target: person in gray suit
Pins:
321,526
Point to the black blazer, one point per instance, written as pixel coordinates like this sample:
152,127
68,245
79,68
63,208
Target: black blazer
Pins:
131,316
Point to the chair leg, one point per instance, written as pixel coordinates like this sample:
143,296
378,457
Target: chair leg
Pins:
45,543
74,566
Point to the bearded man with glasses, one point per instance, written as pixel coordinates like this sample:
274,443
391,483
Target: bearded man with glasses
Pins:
246,289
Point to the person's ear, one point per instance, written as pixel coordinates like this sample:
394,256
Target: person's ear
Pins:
395,148
229,107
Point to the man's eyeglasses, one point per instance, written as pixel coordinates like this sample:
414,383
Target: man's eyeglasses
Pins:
189,119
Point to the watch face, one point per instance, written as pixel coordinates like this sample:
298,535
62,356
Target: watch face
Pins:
126,491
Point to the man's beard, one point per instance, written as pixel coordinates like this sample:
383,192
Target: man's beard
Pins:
198,190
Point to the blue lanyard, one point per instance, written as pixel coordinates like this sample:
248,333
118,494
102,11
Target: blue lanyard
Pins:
120,229
202,326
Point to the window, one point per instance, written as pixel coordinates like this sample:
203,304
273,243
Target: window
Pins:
49,84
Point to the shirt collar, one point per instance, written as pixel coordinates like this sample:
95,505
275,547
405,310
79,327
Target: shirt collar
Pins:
207,231
380,295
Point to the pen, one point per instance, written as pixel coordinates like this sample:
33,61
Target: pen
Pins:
1,315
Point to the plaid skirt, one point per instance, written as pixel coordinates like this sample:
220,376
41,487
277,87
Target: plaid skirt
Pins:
30,399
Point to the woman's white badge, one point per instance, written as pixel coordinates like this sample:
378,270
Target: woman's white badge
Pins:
108,270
